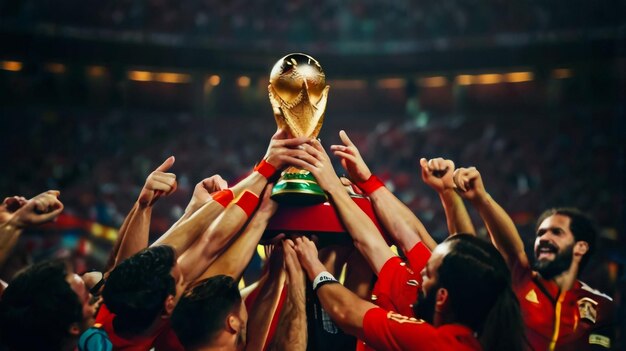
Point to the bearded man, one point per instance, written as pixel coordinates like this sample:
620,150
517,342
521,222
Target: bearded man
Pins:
560,312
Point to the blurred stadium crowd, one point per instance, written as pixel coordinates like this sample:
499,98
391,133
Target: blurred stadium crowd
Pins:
529,164
319,21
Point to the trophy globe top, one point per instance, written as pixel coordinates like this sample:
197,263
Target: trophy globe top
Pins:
291,72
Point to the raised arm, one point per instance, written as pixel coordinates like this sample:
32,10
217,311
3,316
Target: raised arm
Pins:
202,192
201,195
437,173
234,260
263,309
205,250
501,228
196,260
344,307
363,231
210,192
42,208
395,216
135,230
280,145
292,327
9,206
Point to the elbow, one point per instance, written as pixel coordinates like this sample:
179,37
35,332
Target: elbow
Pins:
339,314
345,320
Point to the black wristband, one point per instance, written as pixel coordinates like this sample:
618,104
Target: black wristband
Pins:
324,282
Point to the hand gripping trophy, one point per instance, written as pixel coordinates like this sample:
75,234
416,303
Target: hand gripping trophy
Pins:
298,94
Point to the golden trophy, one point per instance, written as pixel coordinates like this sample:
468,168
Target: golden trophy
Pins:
298,94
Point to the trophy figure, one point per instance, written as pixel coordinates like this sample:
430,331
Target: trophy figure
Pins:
298,94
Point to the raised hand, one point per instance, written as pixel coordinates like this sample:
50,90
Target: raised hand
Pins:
308,257
281,147
158,184
203,190
14,203
351,159
437,173
38,210
275,261
316,161
295,274
9,206
469,183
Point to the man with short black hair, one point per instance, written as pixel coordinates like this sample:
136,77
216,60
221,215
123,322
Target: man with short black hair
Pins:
213,316
211,313
140,288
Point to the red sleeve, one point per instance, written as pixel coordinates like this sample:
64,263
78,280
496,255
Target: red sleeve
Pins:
418,256
391,331
521,275
104,315
167,340
397,287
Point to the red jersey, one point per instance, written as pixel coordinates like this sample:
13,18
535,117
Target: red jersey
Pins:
163,339
577,319
398,283
385,330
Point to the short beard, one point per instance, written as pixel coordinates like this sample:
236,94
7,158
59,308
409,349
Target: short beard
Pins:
424,307
561,263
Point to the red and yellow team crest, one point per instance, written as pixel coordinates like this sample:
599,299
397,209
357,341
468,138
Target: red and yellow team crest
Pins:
587,309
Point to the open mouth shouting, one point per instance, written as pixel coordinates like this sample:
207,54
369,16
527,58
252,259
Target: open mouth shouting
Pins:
546,251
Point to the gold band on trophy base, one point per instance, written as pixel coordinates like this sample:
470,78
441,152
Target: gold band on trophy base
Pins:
298,94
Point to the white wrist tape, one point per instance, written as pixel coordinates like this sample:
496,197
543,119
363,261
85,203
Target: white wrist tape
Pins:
323,278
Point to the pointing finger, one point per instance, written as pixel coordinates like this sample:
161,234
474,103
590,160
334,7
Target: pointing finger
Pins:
167,164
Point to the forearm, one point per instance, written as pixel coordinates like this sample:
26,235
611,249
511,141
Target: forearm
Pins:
457,217
203,253
344,307
9,234
292,328
262,311
186,231
402,224
501,229
234,260
135,234
366,237
255,182
118,242
197,259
